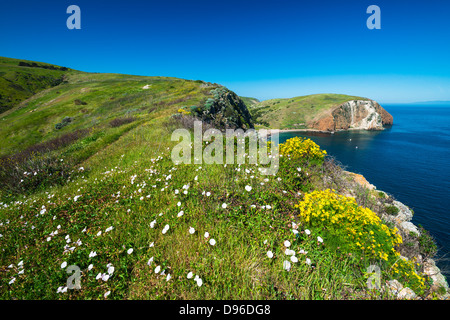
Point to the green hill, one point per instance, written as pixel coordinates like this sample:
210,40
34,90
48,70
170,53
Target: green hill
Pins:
87,180
297,112
20,79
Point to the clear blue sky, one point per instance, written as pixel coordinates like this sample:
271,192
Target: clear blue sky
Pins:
264,49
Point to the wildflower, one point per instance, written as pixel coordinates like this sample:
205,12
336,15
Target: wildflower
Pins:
12,280
212,242
199,282
287,244
190,275
177,191
107,293
248,188
289,252
179,203
206,235
319,239
99,276
307,232
308,261
111,270
180,213
152,224
76,198
269,254
168,277
130,251
105,277
149,262
63,265
108,229
166,228
157,269
294,259
99,234
92,254
191,230
224,205
208,194
286,265
90,267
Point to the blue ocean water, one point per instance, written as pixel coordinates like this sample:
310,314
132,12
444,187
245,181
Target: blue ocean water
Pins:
409,160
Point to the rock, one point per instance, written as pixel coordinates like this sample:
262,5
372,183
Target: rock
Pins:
431,270
394,287
361,180
406,293
404,213
354,114
409,227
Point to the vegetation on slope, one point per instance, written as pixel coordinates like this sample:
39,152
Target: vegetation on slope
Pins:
20,80
102,193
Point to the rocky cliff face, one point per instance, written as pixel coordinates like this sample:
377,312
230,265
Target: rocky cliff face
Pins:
355,114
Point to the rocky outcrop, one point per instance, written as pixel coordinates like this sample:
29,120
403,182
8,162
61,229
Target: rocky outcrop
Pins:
224,109
353,115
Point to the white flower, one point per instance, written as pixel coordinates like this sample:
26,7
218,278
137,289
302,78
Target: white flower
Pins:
308,261
294,259
303,251
307,232
248,188
179,203
43,211
294,231
157,269
92,254
224,205
299,169
190,275
319,239
98,276
152,224
149,262
289,252
168,277
130,251
287,244
286,265
76,198
208,194
108,229
166,228
270,254
111,270
99,234
206,234
191,230
90,267
106,294
12,280
199,282
177,191
105,277
180,213
63,265
212,242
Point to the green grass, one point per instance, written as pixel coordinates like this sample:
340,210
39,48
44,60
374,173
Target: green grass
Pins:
123,177
297,112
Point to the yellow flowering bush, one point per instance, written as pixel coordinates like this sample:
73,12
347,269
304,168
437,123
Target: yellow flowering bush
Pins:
183,111
405,271
354,228
298,147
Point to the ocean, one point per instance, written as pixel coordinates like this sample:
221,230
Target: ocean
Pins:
409,160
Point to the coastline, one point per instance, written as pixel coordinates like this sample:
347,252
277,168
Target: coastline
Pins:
402,221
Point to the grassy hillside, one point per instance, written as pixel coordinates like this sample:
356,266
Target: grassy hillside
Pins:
87,179
20,79
295,113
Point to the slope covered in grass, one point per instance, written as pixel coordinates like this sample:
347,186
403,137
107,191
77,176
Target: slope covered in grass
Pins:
297,112
20,79
102,193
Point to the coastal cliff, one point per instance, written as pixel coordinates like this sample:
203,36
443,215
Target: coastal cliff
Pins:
353,115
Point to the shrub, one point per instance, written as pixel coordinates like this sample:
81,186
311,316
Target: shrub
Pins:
298,147
392,210
79,102
354,228
65,121
121,121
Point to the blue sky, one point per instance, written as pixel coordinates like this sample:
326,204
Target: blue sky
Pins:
264,49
